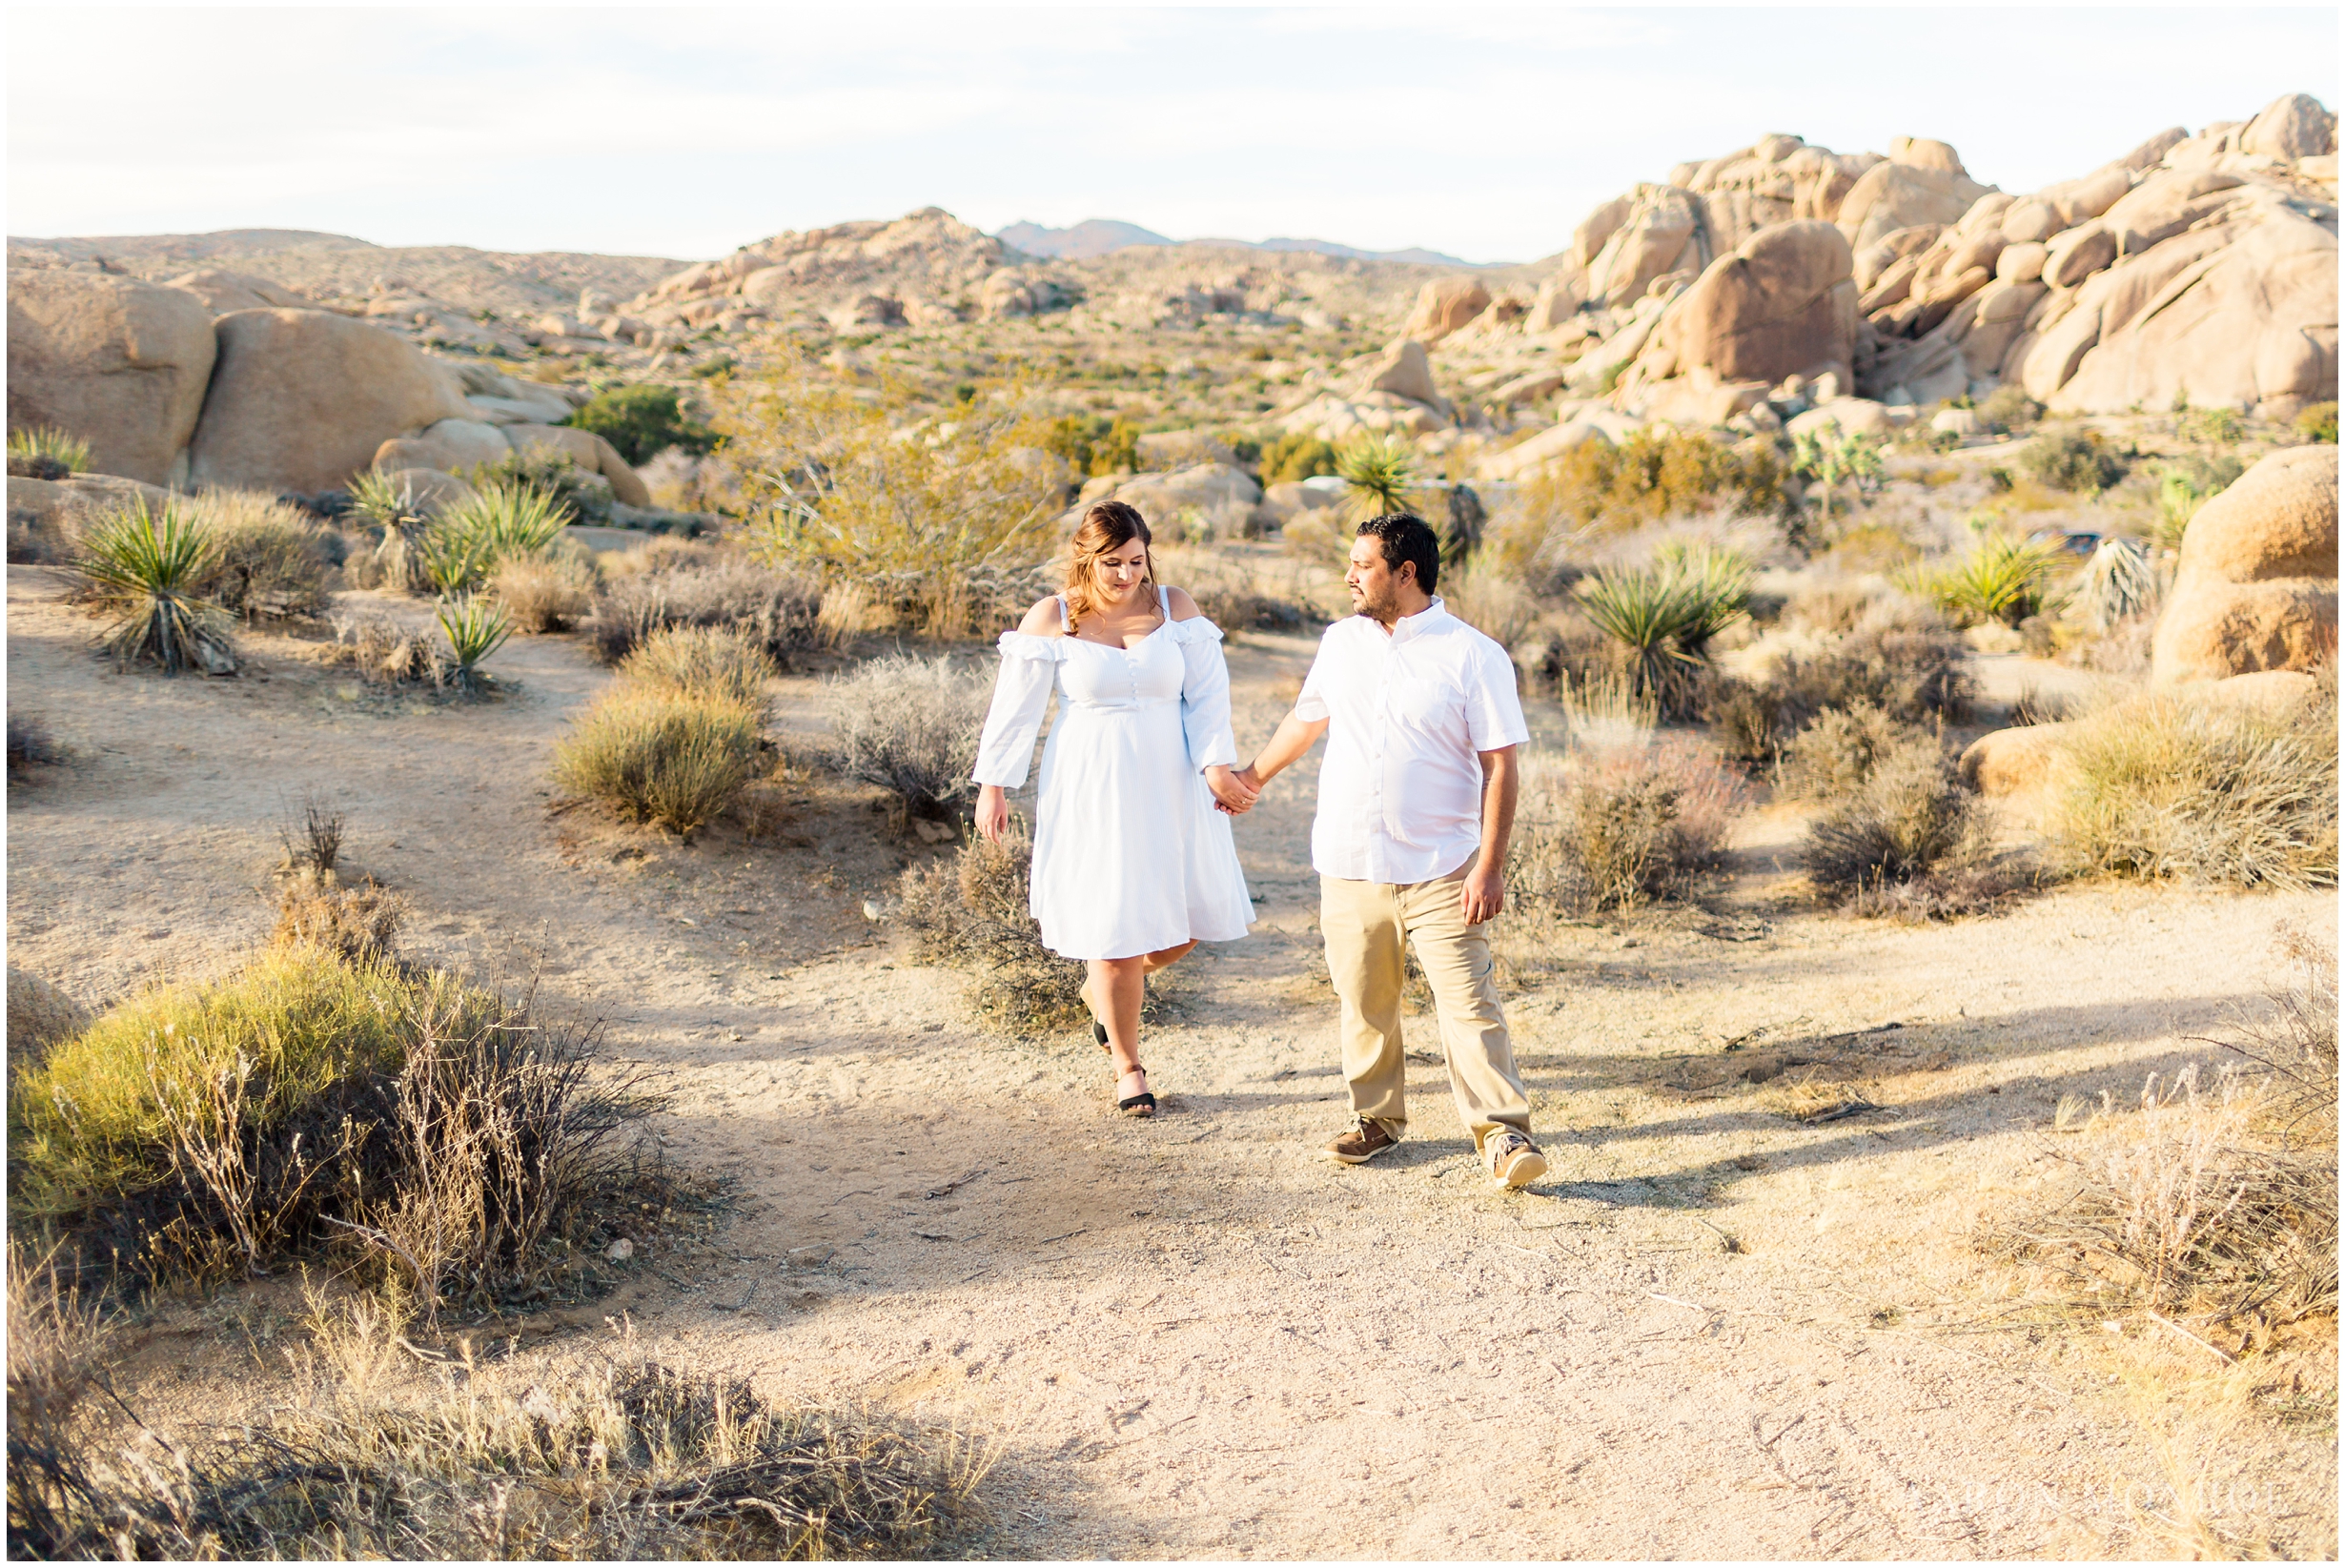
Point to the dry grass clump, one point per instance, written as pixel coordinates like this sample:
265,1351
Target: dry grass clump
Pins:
1901,657
1620,823
2172,785
44,451
782,610
357,920
909,724
678,736
972,912
619,1459
386,654
39,1015
269,562
546,593
1909,840
447,1136
2219,1202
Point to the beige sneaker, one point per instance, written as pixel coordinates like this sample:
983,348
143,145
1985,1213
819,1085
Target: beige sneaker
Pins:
1512,1159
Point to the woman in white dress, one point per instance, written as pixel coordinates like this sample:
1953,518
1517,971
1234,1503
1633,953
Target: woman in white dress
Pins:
1134,861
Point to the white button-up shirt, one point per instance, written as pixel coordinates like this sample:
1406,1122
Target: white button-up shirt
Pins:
1401,787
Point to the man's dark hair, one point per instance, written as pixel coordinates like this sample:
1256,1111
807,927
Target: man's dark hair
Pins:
1407,537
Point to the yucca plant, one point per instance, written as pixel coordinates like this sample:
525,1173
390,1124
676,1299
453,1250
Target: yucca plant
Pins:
1645,610
1717,585
475,628
492,525
450,558
43,452
386,502
2003,579
2119,583
1381,470
142,571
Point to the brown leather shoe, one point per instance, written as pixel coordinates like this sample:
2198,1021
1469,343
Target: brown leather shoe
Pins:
1366,1140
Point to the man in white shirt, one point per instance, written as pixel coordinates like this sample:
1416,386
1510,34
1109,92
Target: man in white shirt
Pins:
1417,800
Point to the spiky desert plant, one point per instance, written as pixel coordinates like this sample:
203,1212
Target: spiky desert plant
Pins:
1643,610
1381,470
1717,586
43,452
384,501
492,525
142,572
2002,578
2119,581
475,628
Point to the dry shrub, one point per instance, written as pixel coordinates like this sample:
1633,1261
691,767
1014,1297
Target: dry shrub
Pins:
1492,604
721,662
1617,824
2175,785
780,609
1901,657
1840,749
1909,841
1243,593
908,724
667,756
386,654
617,1458
272,561
359,920
1653,475
56,1357
196,1133
545,593
971,913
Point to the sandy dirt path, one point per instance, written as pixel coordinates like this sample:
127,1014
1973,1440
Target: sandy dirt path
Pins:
1713,1332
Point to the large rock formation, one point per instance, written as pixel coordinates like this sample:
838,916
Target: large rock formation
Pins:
120,363
1780,304
303,399
1920,182
222,292
2256,585
1442,305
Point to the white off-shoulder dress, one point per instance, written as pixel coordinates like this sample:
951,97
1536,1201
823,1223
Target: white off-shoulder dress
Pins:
1129,855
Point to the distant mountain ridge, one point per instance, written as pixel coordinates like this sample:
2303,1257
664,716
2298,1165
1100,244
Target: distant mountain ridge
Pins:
1100,235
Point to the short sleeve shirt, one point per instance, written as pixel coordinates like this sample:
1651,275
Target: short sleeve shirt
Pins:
1408,711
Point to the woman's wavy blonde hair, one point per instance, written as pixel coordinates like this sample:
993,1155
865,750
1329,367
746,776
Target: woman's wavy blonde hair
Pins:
1108,525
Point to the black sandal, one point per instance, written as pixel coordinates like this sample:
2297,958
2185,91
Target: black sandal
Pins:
1140,1105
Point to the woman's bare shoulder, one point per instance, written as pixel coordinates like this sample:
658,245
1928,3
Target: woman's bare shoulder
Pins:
1184,608
1044,620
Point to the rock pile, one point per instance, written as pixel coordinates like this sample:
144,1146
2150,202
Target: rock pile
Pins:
2195,268
271,396
2256,585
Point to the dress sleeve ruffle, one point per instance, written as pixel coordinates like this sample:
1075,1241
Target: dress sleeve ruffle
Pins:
1042,650
1195,630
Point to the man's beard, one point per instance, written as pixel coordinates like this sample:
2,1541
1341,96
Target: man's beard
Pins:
1383,606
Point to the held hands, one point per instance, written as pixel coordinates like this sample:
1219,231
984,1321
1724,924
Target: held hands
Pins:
992,812
1234,792
1484,892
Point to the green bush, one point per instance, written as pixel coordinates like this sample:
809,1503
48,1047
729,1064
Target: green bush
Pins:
2181,787
43,452
2002,578
641,421
664,757
1657,473
1296,455
2318,422
207,1132
2217,426
583,496
2071,461
1116,449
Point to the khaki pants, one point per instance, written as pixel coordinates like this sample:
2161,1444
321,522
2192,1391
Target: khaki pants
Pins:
1365,924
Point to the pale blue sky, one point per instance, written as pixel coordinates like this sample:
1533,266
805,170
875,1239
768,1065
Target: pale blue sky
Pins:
682,131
